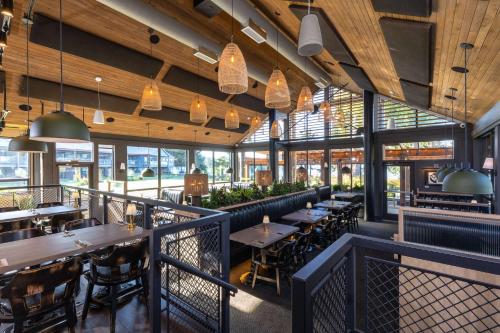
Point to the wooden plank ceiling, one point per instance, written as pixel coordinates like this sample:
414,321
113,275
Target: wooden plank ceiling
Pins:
455,21
97,19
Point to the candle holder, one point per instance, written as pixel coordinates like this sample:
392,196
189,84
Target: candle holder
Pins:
309,207
266,221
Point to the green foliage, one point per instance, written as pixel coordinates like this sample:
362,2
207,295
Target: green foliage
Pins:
358,188
24,201
221,197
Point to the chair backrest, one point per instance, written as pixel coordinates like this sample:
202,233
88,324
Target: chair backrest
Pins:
302,241
135,256
35,291
81,224
15,235
285,253
49,204
8,209
173,196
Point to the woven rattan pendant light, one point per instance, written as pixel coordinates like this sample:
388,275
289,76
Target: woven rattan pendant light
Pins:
275,132
277,92
232,74
198,110
305,101
255,123
151,98
326,108
232,118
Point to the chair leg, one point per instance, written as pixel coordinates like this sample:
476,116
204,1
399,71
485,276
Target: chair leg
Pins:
19,326
113,309
88,298
278,290
144,282
71,314
255,273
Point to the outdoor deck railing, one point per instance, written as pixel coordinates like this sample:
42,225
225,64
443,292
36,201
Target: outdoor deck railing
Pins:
188,246
357,284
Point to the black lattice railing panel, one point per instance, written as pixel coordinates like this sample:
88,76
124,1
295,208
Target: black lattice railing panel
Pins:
29,198
198,247
329,301
401,298
161,216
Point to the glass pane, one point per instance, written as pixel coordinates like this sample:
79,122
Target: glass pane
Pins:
297,159
173,167
315,167
139,158
74,175
106,166
415,151
347,169
261,160
204,160
222,162
74,152
281,165
246,166
14,170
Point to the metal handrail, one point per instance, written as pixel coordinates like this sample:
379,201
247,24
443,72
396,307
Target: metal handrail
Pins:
187,268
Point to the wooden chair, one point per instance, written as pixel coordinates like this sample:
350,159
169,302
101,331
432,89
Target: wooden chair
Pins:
34,293
123,265
81,224
15,235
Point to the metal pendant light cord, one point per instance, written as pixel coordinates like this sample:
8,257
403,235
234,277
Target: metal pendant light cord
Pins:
61,52
28,71
465,104
98,96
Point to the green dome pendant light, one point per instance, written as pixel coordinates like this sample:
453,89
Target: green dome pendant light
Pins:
22,143
230,169
148,172
467,180
60,126
446,169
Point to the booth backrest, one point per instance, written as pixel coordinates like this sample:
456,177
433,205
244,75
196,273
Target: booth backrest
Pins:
324,193
174,196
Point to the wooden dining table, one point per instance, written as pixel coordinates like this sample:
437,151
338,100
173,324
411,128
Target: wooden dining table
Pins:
27,214
33,251
308,216
333,204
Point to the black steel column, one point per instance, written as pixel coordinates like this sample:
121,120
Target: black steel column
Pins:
496,175
272,147
368,101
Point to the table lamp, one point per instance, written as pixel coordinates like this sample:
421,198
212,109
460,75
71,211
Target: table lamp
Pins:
263,178
266,221
332,197
130,213
309,206
76,196
196,185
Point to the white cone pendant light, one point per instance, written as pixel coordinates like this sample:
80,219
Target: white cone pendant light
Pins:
232,74
275,132
59,126
305,101
98,114
198,110
277,92
310,39
232,119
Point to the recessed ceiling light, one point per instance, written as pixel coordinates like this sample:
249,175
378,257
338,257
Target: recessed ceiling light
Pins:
169,128
207,133
255,32
110,119
206,55
25,107
98,79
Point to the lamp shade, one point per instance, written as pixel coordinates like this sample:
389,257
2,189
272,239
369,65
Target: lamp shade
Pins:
442,173
75,195
98,117
310,40
255,123
232,74
266,219
147,172
23,143
275,132
277,92
489,163
198,110
232,119
195,184
467,181
8,8
301,175
131,209
229,170
346,170
305,101
326,108
263,177
59,126
151,98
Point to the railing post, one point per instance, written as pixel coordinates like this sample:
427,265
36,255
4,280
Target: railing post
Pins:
61,194
351,290
79,200
105,209
147,216
155,283
224,237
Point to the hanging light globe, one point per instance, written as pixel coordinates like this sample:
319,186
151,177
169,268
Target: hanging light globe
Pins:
232,74
59,126
198,110
277,92
305,102
98,117
255,123
147,172
442,173
310,39
275,132
346,170
232,119
151,98
22,143
468,181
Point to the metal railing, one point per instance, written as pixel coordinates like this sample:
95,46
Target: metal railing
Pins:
357,284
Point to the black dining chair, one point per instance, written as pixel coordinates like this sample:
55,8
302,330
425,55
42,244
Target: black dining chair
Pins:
49,204
81,224
15,235
300,248
8,209
35,293
125,264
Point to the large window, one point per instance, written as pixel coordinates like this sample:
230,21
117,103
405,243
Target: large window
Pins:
412,151
249,162
313,161
214,164
75,152
347,113
14,169
139,158
173,167
347,169
106,158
